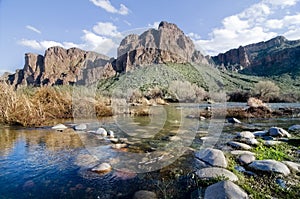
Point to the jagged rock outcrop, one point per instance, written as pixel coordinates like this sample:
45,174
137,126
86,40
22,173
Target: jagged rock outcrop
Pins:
273,57
60,66
166,44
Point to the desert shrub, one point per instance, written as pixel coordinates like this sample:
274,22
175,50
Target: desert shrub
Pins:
266,90
153,93
186,92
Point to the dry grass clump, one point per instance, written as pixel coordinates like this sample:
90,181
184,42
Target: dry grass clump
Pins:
41,106
255,103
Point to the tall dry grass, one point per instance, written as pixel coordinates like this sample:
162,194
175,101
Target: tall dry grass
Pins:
41,106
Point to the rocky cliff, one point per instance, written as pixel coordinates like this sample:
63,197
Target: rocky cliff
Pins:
166,44
273,57
60,66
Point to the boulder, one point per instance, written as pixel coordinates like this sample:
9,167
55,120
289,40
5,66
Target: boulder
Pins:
214,172
214,157
225,190
270,166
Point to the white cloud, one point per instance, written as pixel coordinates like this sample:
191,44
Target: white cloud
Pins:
106,5
33,29
93,42
194,36
281,3
254,24
154,25
127,22
104,40
106,29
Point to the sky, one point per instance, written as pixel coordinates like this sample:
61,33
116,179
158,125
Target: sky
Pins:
215,26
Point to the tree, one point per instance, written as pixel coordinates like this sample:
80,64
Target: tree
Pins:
265,90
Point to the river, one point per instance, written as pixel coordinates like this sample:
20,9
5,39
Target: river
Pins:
44,163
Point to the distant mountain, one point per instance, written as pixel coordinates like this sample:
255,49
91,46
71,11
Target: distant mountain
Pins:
167,44
274,57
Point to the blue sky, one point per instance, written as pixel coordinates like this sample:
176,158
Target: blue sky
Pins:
99,25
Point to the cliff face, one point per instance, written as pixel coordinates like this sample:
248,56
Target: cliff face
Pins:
273,57
60,66
167,44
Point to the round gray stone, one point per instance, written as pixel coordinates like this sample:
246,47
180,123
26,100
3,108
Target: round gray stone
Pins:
278,132
225,190
213,157
270,166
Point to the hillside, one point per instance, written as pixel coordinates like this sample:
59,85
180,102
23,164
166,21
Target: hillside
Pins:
274,57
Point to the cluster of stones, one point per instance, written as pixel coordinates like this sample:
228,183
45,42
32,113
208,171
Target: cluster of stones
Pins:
213,162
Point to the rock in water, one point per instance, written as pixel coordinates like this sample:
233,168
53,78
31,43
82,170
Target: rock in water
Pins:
102,168
144,194
80,127
225,189
270,166
213,157
234,120
59,127
101,131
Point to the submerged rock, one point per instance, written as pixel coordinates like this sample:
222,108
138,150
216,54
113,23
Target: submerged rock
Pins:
214,172
144,194
102,168
270,166
223,190
213,157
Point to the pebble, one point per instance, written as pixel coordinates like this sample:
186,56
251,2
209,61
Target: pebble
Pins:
80,127
102,168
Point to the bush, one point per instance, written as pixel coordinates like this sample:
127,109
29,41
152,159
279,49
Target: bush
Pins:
266,90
